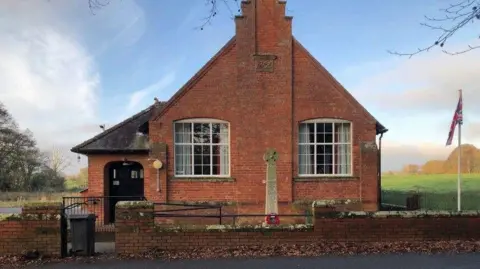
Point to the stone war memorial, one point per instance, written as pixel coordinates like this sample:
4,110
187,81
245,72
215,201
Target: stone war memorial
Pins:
271,199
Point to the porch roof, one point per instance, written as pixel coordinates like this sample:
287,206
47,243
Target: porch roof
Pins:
124,137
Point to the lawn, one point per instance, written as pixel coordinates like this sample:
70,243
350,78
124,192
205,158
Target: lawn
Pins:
17,199
437,191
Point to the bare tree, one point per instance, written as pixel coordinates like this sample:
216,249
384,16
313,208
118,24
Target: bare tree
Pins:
455,17
56,161
97,4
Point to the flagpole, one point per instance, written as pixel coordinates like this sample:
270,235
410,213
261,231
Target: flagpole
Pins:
459,175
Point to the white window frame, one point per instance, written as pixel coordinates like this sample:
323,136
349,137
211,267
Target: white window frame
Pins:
202,120
315,143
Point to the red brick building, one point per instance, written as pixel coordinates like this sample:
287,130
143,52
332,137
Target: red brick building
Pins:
262,90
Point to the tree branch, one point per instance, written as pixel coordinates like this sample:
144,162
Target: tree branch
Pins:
97,4
457,15
213,12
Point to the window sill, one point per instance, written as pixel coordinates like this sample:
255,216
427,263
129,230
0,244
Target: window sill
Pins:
324,178
203,179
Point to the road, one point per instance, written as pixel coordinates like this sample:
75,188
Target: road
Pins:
406,261
18,210
10,210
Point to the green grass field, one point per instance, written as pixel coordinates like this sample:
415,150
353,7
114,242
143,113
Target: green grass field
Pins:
439,192
17,199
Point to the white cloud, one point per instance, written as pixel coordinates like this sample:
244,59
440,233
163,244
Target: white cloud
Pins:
138,96
426,83
416,98
49,79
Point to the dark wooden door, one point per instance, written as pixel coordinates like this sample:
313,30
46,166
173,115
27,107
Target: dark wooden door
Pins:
126,184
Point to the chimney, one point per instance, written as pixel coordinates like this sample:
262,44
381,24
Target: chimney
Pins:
263,26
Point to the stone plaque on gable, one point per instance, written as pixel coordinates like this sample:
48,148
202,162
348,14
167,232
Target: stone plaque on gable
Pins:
264,63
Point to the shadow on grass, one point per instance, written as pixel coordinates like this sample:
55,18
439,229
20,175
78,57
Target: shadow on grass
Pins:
435,201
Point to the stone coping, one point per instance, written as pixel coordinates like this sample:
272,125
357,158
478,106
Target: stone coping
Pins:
42,205
317,203
328,202
135,205
231,228
30,217
334,214
399,214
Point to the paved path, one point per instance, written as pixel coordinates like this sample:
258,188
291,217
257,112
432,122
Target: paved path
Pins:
407,261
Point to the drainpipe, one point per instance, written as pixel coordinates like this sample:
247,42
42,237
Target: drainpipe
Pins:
380,170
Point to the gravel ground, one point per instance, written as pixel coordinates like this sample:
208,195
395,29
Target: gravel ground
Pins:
392,255
390,261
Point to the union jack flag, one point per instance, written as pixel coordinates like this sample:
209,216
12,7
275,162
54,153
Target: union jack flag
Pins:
457,119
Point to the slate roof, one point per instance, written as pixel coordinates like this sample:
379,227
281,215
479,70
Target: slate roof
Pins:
125,136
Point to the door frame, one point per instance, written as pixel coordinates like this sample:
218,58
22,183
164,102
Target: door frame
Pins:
112,198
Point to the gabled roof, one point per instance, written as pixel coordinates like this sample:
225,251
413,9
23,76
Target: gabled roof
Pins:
126,136
380,129
123,136
190,83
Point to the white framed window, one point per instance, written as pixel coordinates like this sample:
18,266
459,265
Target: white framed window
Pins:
325,148
201,148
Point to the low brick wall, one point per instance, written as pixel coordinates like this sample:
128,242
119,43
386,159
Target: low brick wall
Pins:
36,229
136,231
397,226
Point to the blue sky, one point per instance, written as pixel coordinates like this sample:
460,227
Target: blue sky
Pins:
64,71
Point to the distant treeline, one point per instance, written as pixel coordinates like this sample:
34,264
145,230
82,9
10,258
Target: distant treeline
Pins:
470,163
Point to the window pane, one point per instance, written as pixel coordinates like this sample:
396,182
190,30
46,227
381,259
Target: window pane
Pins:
206,170
324,133
328,133
201,159
343,159
206,159
183,159
324,159
183,132
215,133
201,133
307,133
220,160
306,159
342,131
219,133
197,170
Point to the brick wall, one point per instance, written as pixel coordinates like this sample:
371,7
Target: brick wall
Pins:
231,88
258,106
235,209
96,171
137,233
36,229
271,103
